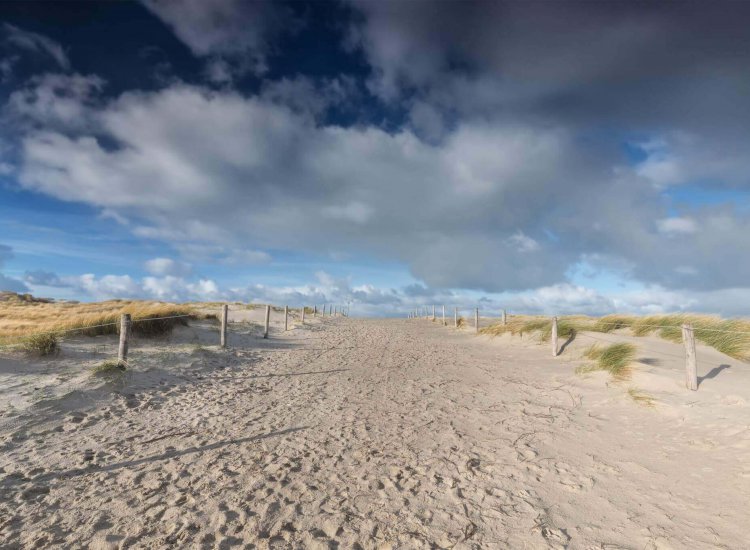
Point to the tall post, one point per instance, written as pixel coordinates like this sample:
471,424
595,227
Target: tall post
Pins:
122,353
455,317
286,317
443,315
691,366
268,321
505,318
433,313
476,320
303,315
554,337
315,311
224,315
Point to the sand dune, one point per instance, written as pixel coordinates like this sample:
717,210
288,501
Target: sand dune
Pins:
372,434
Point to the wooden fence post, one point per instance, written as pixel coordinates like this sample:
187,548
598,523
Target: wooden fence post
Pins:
433,313
554,337
315,310
505,318
455,317
303,315
268,321
286,317
476,320
691,366
122,353
443,315
224,315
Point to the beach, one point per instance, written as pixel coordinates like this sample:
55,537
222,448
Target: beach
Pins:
377,433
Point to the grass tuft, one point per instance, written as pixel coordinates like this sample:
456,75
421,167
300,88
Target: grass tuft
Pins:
641,398
108,368
614,359
41,345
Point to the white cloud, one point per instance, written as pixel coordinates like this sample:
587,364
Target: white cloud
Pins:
167,266
677,226
523,243
457,213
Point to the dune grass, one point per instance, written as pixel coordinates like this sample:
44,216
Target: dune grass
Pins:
614,359
41,345
729,336
542,326
19,320
108,369
641,397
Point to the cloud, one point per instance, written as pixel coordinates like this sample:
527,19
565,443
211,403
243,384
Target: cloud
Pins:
459,213
43,278
167,266
56,100
6,282
36,43
676,226
241,31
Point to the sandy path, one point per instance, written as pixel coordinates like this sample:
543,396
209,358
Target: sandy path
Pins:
370,433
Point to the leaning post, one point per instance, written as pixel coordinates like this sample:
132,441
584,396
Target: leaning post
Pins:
268,321
122,353
691,366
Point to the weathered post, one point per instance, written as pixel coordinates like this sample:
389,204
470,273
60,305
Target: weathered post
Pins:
691,366
433,313
224,315
476,320
505,318
286,317
315,311
268,321
443,315
122,353
455,317
554,337
303,315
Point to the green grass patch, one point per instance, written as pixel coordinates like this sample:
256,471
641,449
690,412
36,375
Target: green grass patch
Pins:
108,368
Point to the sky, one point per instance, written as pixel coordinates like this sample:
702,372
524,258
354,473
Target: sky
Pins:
541,157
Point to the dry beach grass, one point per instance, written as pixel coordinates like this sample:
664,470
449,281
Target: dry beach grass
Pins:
25,322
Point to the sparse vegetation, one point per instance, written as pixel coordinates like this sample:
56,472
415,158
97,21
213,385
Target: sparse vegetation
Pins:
614,359
640,397
41,345
108,368
461,322
729,336
566,327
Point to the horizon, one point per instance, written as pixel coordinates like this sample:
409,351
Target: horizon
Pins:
384,155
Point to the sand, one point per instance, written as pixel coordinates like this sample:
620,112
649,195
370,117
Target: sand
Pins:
350,433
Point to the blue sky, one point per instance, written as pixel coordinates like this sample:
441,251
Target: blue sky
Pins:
383,154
